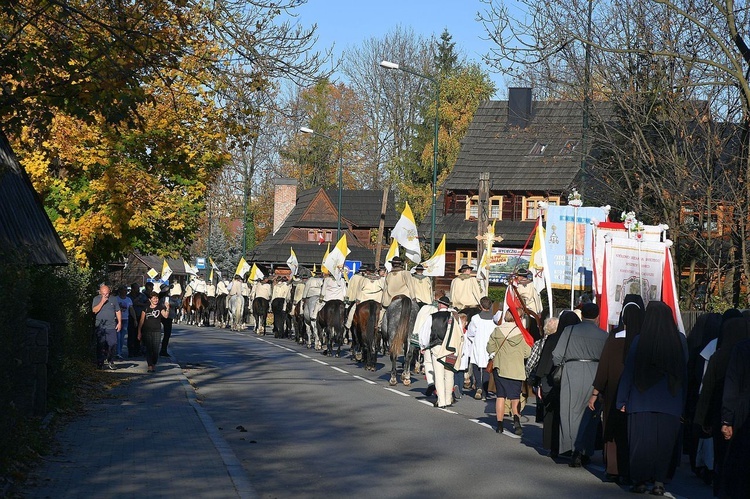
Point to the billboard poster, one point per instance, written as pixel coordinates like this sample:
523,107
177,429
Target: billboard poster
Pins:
504,261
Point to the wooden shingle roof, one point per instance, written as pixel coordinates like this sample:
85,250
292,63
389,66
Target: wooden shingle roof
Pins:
24,225
535,158
316,208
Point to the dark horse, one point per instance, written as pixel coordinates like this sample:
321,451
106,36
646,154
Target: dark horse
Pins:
260,314
195,309
401,315
278,307
365,333
330,323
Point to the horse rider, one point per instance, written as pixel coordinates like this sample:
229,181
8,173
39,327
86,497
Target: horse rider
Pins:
398,281
422,286
281,289
465,290
352,292
261,289
313,286
198,284
235,287
332,289
369,287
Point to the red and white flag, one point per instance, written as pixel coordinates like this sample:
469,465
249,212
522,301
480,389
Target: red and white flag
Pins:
669,290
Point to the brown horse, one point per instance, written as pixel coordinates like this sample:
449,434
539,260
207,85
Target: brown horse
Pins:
365,333
195,309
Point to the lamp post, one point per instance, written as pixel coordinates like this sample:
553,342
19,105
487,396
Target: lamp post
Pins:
306,130
393,65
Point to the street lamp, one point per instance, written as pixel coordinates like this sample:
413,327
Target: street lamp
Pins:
393,65
306,130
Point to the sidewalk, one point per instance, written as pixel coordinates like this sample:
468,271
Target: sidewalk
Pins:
146,437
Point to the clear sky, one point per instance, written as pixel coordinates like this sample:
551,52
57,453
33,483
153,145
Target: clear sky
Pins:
347,23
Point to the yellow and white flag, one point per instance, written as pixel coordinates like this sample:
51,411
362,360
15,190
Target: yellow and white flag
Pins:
242,268
325,255
392,253
256,274
483,272
189,269
405,232
334,262
166,271
213,267
293,262
435,266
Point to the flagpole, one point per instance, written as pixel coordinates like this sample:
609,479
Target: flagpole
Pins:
573,258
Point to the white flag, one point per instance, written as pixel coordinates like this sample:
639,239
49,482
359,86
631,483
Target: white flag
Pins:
334,262
435,266
293,262
189,269
405,232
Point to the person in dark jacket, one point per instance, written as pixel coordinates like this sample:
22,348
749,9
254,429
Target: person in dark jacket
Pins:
708,409
606,381
652,393
546,391
735,424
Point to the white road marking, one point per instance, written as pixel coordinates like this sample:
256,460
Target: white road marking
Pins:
320,362
303,355
510,434
426,402
480,423
365,380
338,369
397,392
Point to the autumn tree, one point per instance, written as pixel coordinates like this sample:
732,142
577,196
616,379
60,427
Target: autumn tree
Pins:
123,113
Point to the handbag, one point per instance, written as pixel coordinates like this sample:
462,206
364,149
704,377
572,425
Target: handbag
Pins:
557,371
490,366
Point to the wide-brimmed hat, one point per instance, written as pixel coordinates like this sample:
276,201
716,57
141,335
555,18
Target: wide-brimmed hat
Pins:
523,272
465,267
445,301
419,267
397,261
238,277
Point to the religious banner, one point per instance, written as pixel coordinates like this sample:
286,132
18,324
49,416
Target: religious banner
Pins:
569,243
632,266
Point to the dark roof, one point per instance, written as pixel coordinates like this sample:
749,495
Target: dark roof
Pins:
317,208
491,145
362,207
24,225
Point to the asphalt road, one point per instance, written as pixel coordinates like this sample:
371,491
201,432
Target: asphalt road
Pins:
306,425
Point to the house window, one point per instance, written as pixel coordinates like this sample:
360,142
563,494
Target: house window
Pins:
531,205
538,149
465,258
319,236
472,207
569,147
495,209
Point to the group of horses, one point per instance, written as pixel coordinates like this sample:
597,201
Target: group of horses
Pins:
324,331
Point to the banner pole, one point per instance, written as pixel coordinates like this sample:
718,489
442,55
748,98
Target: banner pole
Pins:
573,258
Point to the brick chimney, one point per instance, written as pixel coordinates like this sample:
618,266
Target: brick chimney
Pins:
284,200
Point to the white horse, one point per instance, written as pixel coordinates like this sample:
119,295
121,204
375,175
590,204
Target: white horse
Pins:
236,306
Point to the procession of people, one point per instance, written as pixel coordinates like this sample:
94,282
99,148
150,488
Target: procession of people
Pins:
623,392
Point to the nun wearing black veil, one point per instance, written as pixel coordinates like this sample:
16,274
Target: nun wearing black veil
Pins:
652,392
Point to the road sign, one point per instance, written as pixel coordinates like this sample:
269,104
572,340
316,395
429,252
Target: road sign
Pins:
351,267
200,263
